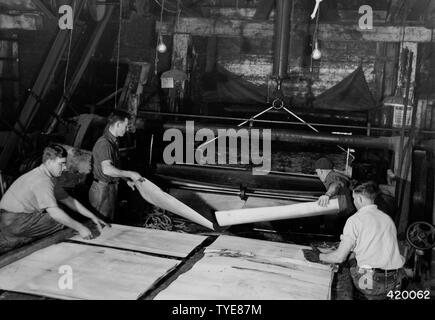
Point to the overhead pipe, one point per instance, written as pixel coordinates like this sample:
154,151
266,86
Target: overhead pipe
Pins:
300,137
332,115
243,193
144,114
306,138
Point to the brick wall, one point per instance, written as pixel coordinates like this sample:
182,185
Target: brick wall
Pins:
252,59
339,59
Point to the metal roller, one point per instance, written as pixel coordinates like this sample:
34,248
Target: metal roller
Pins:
293,211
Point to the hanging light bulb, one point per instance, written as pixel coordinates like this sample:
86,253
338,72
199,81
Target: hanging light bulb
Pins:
161,47
317,54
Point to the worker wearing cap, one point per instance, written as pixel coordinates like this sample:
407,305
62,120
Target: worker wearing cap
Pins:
336,184
371,235
29,209
106,163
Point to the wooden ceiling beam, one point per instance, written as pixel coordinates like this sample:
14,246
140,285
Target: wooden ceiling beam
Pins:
265,29
23,22
44,9
17,5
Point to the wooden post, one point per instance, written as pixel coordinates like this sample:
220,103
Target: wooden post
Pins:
403,190
212,47
379,69
401,81
134,99
433,250
391,70
10,80
4,49
181,43
180,48
15,70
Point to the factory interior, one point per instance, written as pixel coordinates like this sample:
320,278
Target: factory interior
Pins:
217,150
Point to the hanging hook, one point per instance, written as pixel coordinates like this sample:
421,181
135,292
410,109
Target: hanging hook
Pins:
274,104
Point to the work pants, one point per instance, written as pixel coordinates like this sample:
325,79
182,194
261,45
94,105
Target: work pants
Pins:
17,229
102,197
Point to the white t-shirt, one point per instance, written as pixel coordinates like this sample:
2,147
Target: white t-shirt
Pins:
34,191
374,239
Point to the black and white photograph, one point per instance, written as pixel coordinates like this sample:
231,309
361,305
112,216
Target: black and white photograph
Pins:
217,158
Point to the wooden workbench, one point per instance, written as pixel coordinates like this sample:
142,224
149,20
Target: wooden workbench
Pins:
138,263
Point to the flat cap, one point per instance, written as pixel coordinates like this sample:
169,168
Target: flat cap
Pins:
323,163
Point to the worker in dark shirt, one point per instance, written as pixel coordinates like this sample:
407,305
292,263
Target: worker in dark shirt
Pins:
337,186
106,164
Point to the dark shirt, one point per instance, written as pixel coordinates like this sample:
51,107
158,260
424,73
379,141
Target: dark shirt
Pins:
343,193
336,177
106,148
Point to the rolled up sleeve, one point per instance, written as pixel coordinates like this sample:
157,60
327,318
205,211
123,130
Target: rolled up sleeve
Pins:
103,151
350,233
60,193
44,195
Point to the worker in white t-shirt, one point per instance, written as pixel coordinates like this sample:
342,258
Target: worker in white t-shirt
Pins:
371,236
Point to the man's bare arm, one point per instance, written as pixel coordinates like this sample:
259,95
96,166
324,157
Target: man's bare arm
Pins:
75,205
110,170
334,188
332,191
60,216
339,255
